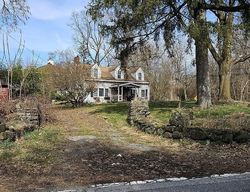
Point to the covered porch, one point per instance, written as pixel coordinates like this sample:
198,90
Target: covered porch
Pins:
124,92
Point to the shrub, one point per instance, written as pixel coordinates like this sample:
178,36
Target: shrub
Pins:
46,111
7,107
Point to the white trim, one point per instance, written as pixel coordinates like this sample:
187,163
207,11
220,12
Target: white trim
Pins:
123,85
117,81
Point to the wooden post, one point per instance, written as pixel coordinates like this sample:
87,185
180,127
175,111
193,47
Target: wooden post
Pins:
122,95
110,94
118,93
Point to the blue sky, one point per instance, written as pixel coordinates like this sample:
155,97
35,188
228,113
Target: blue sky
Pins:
47,28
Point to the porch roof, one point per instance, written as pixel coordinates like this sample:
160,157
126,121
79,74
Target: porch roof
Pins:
130,85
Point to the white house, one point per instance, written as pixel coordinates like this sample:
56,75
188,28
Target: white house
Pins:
112,86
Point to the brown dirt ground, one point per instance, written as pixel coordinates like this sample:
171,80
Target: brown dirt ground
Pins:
111,157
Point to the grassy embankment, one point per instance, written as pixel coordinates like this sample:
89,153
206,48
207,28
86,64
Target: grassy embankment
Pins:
37,147
161,111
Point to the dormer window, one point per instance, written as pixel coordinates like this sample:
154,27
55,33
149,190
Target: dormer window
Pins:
95,73
139,76
119,74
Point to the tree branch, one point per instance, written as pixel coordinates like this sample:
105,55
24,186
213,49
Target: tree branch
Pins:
241,59
213,51
245,6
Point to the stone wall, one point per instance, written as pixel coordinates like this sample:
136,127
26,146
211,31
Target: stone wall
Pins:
30,115
26,118
179,127
137,110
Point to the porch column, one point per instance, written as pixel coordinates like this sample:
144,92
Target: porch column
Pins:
122,95
148,93
110,94
118,99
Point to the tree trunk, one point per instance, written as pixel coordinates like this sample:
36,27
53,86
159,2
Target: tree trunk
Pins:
185,93
225,82
225,65
202,67
20,91
242,91
124,62
9,84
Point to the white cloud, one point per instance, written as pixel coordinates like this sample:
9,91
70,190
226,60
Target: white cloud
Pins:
54,9
47,29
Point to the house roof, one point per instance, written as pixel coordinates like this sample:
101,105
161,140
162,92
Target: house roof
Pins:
133,69
106,72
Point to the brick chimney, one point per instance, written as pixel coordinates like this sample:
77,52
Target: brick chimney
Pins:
77,60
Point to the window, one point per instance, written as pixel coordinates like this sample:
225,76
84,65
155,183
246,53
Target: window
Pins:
106,92
101,92
139,76
119,74
95,73
144,93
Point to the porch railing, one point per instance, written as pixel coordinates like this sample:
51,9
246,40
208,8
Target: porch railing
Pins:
115,98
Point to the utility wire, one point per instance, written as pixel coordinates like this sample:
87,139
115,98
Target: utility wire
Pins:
29,50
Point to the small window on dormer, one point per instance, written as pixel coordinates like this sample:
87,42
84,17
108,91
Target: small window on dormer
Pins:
95,73
119,74
139,76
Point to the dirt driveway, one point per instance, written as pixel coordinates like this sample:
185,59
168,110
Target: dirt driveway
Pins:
94,151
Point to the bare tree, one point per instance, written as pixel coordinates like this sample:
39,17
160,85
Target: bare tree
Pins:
26,71
241,67
11,60
62,56
12,12
73,81
91,44
170,77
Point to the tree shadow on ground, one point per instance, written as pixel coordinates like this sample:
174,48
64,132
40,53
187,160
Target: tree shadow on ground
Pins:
85,163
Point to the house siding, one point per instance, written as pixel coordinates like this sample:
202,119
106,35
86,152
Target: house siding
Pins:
107,85
141,88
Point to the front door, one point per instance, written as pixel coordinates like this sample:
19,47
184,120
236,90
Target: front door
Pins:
128,93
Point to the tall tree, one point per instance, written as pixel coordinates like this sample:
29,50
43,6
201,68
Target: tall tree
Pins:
223,28
91,44
165,17
200,36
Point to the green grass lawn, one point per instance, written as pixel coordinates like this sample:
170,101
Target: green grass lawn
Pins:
116,113
161,111
220,111
35,147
